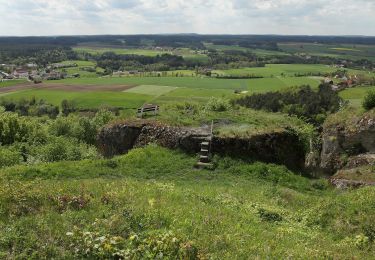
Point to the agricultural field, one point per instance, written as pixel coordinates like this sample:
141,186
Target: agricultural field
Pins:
10,83
184,52
355,95
343,51
271,70
134,91
84,99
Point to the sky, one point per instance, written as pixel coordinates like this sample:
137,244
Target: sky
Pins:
88,17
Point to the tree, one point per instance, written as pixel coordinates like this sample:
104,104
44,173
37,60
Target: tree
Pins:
369,100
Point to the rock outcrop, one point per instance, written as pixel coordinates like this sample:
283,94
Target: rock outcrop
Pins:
348,145
348,150
282,147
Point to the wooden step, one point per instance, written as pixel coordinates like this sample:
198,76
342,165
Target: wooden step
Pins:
203,165
205,143
204,150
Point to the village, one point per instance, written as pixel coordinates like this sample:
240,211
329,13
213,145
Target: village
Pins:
35,73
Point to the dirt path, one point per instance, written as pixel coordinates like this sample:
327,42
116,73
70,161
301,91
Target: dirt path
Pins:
65,87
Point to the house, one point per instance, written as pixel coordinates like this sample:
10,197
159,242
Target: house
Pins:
20,73
3,75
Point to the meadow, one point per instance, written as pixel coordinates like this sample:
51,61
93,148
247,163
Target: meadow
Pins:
355,95
141,205
343,51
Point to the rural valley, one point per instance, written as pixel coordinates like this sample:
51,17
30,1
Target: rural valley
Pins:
187,146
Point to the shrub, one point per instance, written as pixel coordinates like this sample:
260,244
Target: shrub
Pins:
218,104
9,157
15,128
270,216
63,149
369,100
313,106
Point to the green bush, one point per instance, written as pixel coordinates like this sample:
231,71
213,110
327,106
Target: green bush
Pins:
15,128
9,157
63,149
369,100
218,104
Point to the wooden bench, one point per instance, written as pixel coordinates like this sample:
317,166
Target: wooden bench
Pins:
148,108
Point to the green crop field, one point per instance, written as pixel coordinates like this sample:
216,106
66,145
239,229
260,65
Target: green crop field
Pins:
344,51
84,99
9,83
277,69
355,95
263,84
151,90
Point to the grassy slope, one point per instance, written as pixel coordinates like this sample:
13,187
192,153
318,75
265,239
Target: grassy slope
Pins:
226,214
355,95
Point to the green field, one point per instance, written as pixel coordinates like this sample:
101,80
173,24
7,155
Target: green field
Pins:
85,99
278,69
343,51
152,200
160,89
9,83
263,84
186,53
151,90
355,95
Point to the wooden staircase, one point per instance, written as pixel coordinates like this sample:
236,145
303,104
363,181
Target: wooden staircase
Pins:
206,151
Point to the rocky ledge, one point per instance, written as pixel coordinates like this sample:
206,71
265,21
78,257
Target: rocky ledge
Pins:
281,147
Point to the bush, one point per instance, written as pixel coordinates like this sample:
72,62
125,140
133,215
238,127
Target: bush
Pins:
369,101
15,128
9,157
304,102
63,149
218,104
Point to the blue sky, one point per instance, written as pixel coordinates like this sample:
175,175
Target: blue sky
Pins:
71,17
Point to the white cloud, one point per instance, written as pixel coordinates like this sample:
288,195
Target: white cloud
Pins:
57,17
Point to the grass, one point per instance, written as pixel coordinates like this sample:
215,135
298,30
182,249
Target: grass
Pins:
80,68
196,82
151,90
10,83
85,99
271,70
239,211
355,95
343,51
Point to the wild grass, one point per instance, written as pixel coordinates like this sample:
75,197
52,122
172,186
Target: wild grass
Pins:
99,208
